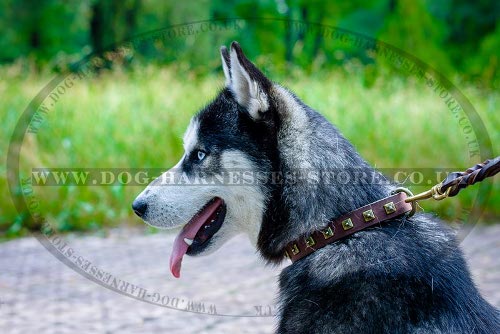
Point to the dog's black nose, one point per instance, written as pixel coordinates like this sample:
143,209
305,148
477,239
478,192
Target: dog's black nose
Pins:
139,207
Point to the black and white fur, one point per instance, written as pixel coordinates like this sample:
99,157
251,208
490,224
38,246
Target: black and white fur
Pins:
404,276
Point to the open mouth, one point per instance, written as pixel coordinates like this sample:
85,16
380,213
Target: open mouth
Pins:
196,234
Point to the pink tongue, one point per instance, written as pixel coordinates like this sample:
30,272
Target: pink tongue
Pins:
189,231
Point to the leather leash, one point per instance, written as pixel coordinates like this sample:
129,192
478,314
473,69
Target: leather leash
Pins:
457,181
400,202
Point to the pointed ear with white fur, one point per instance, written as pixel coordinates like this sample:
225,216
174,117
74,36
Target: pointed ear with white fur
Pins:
249,85
226,64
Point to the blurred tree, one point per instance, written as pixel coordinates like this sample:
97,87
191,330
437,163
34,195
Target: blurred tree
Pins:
484,67
473,38
45,30
411,27
112,22
452,35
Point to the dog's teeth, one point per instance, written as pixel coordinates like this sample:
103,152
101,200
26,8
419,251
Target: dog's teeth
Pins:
212,221
189,242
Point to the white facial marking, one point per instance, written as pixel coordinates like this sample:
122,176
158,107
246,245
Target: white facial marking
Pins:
191,136
171,204
245,202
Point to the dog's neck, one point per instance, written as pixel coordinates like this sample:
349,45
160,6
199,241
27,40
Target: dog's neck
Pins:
311,147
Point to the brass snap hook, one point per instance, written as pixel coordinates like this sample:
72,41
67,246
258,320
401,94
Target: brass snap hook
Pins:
435,192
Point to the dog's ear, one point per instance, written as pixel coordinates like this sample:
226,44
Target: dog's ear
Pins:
249,85
226,64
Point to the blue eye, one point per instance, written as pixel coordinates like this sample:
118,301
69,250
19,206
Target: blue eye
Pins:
201,155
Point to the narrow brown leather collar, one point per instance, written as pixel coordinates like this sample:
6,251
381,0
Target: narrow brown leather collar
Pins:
350,223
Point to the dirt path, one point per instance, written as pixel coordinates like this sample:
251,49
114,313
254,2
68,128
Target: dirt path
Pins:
39,294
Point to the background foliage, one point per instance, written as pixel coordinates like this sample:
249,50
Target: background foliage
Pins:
119,117
453,35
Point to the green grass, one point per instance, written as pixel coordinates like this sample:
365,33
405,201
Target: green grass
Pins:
137,118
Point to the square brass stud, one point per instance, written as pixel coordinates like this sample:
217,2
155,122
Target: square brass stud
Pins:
368,215
295,249
390,208
347,224
287,255
310,242
328,233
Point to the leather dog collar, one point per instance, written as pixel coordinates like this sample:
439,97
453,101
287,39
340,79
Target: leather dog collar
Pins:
352,222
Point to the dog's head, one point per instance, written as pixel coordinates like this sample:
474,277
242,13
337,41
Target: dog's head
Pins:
239,170
218,188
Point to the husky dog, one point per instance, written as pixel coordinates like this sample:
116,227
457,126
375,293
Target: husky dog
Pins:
406,275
